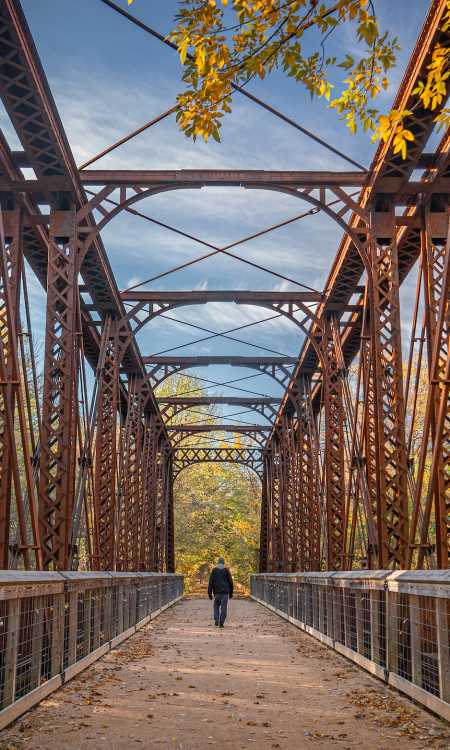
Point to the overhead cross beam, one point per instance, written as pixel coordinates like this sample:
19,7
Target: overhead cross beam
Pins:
186,456
234,361
256,432
171,407
228,177
204,297
207,400
218,428
275,367
145,305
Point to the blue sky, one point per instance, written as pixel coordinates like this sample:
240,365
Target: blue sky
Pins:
108,78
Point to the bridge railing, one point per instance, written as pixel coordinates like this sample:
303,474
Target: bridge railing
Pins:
393,624
53,625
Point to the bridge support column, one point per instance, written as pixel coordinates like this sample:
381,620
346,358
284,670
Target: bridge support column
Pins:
12,406
276,519
309,525
264,530
289,494
170,555
335,478
369,442
161,504
392,516
149,457
105,472
59,410
436,268
131,507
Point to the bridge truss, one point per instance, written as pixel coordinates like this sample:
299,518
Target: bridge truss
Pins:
349,478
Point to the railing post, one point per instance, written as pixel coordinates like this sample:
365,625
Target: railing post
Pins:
392,603
345,601
331,610
72,628
359,617
443,647
57,647
120,609
321,624
96,604
375,625
87,622
337,620
39,612
416,639
107,623
12,642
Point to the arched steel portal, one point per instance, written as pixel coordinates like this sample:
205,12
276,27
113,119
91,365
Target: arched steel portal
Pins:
134,186
148,305
275,367
251,458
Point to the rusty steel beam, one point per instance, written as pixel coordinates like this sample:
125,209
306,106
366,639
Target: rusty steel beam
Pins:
206,400
59,411
205,177
218,427
105,472
184,457
232,360
204,297
171,407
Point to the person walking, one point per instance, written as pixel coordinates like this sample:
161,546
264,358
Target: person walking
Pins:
221,587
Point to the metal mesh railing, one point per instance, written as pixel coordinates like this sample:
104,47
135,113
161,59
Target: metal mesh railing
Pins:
395,624
52,623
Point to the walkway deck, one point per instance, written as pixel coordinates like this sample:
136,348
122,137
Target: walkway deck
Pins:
183,684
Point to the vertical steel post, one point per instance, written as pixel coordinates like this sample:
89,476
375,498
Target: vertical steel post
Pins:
437,415
264,533
105,466
335,477
131,489
15,438
59,412
392,513
170,565
149,470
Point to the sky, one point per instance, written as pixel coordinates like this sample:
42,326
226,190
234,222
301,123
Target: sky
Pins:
108,78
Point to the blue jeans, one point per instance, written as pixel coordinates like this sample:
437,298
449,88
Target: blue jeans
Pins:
220,608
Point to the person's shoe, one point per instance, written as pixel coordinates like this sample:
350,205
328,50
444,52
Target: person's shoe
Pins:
216,623
221,625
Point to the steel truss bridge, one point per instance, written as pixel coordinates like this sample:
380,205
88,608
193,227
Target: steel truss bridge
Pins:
348,479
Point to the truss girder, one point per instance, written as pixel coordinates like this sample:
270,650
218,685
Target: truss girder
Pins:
59,410
186,456
334,448
105,467
16,469
388,385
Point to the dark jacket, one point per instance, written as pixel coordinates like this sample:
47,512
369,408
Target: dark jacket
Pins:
220,582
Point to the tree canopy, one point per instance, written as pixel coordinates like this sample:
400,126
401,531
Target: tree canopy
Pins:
224,44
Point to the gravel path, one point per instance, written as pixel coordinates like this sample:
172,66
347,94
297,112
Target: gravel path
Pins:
181,683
